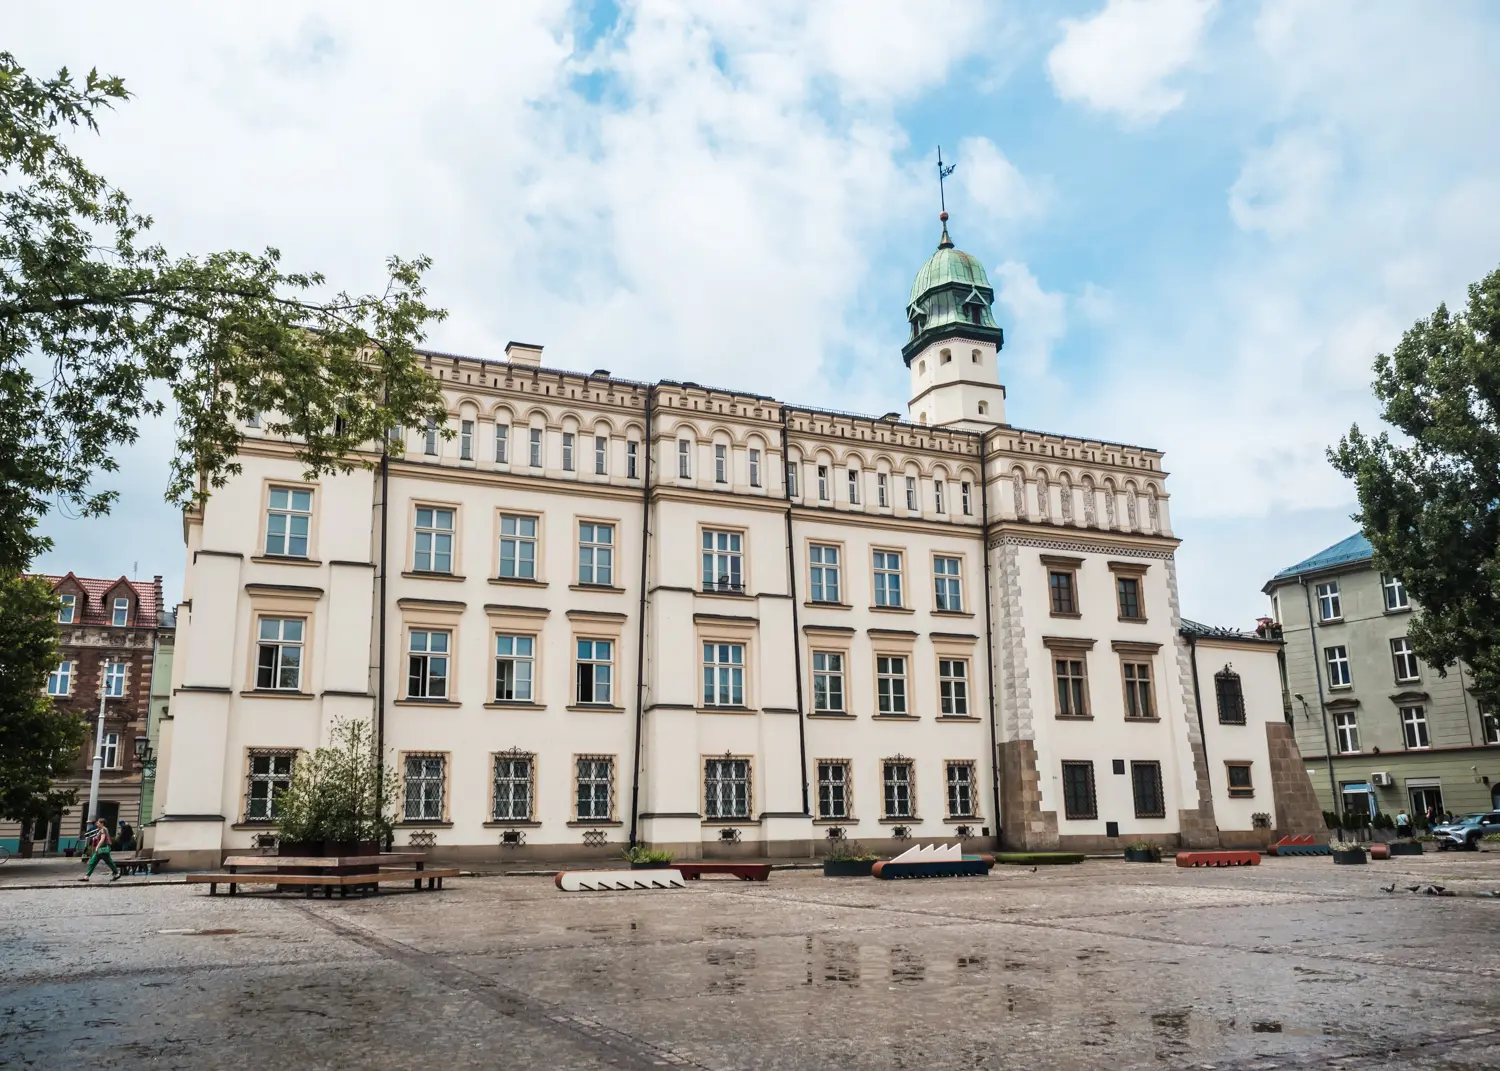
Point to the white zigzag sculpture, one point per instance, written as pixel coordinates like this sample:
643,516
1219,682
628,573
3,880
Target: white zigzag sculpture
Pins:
610,880
931,853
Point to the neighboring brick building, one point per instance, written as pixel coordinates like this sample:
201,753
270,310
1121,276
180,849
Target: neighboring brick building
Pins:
108,632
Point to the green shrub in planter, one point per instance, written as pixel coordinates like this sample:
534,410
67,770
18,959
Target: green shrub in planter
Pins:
1038,858
1141,852
848,859
643,858
336,801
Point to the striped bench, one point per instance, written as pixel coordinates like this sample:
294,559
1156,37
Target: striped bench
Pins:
1218,859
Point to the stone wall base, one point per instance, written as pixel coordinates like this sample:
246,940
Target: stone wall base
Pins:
1024,825
1297,807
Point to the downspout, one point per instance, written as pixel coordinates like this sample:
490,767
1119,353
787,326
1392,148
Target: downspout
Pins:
989,627
1333,785
385,517
648,450
791,582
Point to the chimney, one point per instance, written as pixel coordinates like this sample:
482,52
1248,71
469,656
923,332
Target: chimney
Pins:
523,353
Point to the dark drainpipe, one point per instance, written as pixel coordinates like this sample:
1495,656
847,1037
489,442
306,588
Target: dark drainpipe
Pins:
385,514
1202,734
989,628
647,452
791,581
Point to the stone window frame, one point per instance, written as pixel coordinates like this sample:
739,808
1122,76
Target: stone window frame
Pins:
251,778
899,573
1391,584
513,755
841,567
455,534
1329,590
1229,701
1069,649
1059,564
1093,800
1136,571
1138,654
1239,792
911,794
1343,660
848,784
720,586
749,815
522,621
961,576
282,603
538,541
1161,790
614,789
950,815
1418,723
617,531
1339,731
445,786
427,615
269,484
1410,654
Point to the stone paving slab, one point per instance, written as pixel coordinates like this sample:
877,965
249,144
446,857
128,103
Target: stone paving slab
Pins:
1289,965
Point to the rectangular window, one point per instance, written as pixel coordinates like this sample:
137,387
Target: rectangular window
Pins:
513,668
595,671
1338,666
427,665
535,447
822,483
1145,783
1330,606
1414,727
502,443
824,573
911,494
430,439
67,606
684,459
890,684
1241,786
270,776
114,679
1346,729
596,554
252,420
121,613
968,499
287,522
424,788
632,460
1072,687
596,783
953,687
567,447
898,799
514,788
433,546
60,680
1079,801
1230,697
887,578
721,463
517,547
882,489
726,788
722,561
723,674
1064,600
1489,725
853,475
601,455
109,751
754,468
791,479
1139,701
960,789
1128,593
947,585
466,440
833,789
937,495
1405,659
279,660
828,682
1395,593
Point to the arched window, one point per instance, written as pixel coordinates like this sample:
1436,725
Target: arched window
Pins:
922,419
974,356
921,368
1230,696
947,355
984,408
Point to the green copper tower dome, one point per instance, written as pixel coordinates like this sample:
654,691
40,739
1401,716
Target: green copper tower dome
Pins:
951,297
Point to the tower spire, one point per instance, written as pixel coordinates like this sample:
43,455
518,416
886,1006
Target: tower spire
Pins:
943,172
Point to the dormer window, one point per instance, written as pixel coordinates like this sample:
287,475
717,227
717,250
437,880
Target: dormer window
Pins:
121,615
975,314
67,607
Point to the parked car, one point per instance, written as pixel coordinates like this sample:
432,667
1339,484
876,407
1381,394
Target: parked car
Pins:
1466,832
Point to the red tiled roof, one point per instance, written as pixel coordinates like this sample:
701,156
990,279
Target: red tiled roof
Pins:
95,607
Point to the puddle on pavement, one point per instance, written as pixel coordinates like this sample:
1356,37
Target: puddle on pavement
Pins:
907,967
197,933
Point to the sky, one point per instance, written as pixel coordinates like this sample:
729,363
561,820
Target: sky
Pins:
1202,220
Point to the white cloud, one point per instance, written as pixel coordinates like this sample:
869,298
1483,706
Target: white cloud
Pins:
1120,59
993,183
1285,187
1035,319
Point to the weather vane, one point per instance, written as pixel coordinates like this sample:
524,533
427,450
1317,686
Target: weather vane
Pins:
943,172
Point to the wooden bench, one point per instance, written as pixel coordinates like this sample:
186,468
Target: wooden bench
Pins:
360,883
136,864
743,871
1218,859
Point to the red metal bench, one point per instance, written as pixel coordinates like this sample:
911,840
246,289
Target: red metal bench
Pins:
1218,859
743,871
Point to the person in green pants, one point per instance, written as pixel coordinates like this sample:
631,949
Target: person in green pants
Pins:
99,839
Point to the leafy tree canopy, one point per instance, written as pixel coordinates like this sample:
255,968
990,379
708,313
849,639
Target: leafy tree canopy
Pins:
100,326
37,741
1430,499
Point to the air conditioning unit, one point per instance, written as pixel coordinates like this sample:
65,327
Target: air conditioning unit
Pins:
1382,780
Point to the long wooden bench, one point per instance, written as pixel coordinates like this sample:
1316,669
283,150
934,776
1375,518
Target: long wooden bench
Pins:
361,883
743,871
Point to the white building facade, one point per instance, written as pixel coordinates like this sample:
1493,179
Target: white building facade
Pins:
607,612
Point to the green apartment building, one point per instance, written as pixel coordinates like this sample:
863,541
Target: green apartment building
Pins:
1400,733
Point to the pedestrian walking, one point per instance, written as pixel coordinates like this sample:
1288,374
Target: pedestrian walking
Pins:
100,842
125,838
1403,823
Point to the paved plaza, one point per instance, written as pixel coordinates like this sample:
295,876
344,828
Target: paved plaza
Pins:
1295,963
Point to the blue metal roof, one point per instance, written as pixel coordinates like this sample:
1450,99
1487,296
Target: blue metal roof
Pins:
1354,549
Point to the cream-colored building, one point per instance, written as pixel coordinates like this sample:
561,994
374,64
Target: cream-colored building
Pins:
607,612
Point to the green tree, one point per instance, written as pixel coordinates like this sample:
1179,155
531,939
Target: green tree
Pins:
1430,498
102,329
37,740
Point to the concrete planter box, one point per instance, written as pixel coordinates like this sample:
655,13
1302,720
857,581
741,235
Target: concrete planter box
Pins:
1142,855
651,866
847,868
1405,847
1352,857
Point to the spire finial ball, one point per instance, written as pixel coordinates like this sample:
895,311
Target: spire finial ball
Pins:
943,217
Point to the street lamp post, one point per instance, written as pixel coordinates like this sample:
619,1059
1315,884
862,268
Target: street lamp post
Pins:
93,809
145,762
